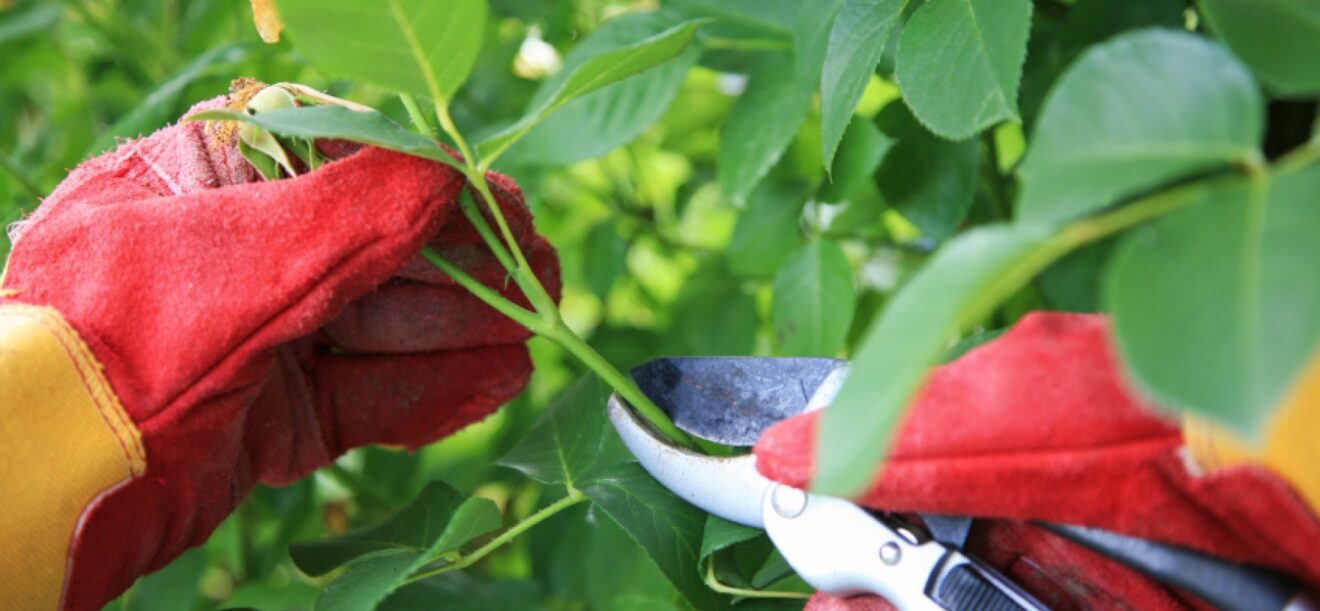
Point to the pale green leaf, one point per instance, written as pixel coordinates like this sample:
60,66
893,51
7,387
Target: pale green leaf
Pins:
593,74
1215,308
761,124
1132,114
857,41
1278,39
767,229
813,301
612,115
959,63
959,286
424,47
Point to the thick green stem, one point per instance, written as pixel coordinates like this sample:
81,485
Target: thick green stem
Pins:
621,383
463,561
508,308
416,115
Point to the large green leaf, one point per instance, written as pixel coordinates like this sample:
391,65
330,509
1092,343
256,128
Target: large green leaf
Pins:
962,283
959,63
929,180
426,47
721,533
368,581
667,527
339,123
857,41
572,441
767,229
813,301
416,527
1130,115
613,115
1216,308
595,73
1278,39
766,117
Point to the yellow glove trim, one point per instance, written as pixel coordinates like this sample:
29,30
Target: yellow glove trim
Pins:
1289,446
64,440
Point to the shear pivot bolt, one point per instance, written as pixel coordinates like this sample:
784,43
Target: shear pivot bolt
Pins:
788,502
890,553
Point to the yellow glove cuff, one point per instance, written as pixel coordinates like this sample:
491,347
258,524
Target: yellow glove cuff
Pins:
64,440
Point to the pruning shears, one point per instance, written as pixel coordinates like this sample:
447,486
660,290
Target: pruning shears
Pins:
839,547
834,545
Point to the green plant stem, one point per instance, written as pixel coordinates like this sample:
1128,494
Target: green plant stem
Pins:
621,383
416,115
508,308
466,560
715,584
473,215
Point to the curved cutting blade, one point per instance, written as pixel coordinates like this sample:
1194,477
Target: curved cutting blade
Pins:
732,400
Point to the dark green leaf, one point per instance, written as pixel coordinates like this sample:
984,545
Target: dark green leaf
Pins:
1214,307
857,41
425,47
414,527
929,180
572,441
860,152
1130,115
594,73
776,567
475,517
767,229
612,115
721,533
813,301
1073,283
460,591
667,527
604,255
1278,39
761,124
959,63
339,123
368,581
962,283
172,587
289,597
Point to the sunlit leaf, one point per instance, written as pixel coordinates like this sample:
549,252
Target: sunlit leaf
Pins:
594,73
857,40
813,301
424,47
959,63
1130,115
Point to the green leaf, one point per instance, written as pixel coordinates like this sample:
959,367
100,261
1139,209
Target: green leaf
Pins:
613,115
720,534
604,258
1130,115
959,63
460,591
860,152
959,286
424,47
857,41
339,123
572,440
761,124
368,581
929,180
667,527
475,517
1278,39
594,73
415,527
1214,307
767,229
813,301
1073,283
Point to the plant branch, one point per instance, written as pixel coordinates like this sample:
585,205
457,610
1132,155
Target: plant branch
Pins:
466,560
714,583
495,300
416,115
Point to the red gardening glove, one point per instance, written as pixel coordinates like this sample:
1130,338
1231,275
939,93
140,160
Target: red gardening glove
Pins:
254,331
1040,425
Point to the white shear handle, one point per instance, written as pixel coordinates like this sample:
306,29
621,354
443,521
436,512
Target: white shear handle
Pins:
841,549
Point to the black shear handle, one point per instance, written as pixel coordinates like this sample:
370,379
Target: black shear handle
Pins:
966,584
